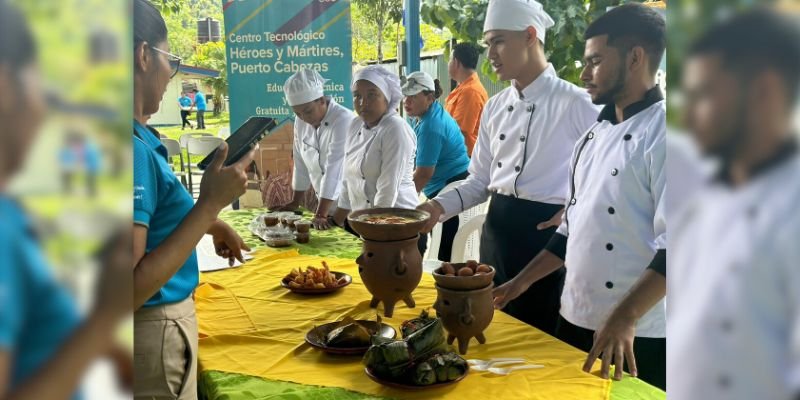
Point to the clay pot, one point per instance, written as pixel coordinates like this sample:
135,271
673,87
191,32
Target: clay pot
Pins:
390,271
471,282
465,314
388,232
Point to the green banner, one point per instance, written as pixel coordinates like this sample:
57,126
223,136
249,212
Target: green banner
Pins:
269,40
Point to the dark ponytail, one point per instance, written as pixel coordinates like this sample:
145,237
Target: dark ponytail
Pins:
148,24
437,92
438,89
17,46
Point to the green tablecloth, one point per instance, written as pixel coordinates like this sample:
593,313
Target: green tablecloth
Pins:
331,243
216,385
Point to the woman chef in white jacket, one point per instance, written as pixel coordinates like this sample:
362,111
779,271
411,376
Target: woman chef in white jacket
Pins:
320,135
379,164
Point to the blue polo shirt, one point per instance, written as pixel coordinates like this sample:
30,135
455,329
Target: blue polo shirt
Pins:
160,202
37,314
440,144
185,101
200,101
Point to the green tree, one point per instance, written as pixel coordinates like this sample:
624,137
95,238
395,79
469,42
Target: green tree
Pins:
169,6
383,13
564,44
365,36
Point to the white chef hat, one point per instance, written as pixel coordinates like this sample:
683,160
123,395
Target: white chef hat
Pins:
517,15
305,86
387,82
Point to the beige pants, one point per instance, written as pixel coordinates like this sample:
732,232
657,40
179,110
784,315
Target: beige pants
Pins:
165,352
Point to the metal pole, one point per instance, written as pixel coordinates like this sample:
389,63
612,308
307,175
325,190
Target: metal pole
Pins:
412,36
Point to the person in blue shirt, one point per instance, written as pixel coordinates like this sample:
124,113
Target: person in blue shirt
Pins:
441,152
168,225
45,345
68,162
185,102
200,105
92,162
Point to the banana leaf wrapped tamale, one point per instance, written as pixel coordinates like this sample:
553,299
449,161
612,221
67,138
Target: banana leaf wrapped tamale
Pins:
350,333
424,374
420,358
413,325
427,340
439,368
389,358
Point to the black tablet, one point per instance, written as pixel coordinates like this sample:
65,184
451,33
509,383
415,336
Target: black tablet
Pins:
243,140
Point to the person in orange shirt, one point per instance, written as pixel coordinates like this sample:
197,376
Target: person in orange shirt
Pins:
465,103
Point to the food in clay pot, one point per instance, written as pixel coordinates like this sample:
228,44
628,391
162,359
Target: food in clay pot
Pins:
464,276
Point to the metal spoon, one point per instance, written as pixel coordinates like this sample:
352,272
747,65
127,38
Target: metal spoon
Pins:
506,371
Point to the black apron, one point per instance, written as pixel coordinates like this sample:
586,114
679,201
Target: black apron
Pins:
509,241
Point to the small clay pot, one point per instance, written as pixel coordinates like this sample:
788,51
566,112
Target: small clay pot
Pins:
471,282
465,314
390,271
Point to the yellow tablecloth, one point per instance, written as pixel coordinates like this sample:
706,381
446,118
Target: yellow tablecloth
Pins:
250,325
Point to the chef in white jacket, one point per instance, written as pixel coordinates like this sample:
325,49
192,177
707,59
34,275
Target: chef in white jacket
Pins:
320,136
613,236
379,163
734,283
520,161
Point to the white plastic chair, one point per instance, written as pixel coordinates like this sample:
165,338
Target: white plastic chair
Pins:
174,149
466,244
464,217
199,146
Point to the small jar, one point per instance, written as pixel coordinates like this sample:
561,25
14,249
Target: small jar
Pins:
271,220
303,226
302,238
290,220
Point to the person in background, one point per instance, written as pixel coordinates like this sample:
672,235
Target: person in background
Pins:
200,105
45,345
441,154
521,159
92,163
185,102
168,225
465,103
613,236
379,163
320,136
69,161
734,282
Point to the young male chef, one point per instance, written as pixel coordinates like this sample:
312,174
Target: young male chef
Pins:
613,234
734,283
526,135
320,137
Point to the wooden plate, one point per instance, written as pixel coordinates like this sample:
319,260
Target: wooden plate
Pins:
338,275
409,385
315,338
